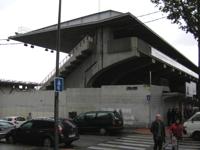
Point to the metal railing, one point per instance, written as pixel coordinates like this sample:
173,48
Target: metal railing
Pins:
66,59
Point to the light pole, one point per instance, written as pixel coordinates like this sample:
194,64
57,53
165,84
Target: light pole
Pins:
150,98
56,101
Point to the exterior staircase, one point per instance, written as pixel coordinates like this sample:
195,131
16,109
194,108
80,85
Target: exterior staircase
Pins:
82,50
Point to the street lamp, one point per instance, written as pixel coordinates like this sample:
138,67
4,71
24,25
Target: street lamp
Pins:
56,100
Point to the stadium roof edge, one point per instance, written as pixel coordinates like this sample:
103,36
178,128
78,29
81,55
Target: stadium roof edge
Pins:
73,30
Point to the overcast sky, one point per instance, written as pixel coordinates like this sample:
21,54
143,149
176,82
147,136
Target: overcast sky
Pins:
21,63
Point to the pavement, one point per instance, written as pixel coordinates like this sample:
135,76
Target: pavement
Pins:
142,131
131,130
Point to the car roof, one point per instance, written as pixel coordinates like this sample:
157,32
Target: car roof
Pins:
42,119
197,112
6,121
12,116
3,120
100,111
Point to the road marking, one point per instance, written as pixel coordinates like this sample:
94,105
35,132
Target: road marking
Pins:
141,142
121,146
129,144
100,148
131,141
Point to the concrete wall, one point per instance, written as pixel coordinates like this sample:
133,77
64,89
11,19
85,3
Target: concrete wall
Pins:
131,100
106,52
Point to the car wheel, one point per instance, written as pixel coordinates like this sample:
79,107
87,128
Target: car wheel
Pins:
47,142
10,139
102,131
196,136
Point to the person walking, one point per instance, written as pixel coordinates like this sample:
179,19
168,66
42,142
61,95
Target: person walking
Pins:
158,131
176,130
173,115
29,117
169,117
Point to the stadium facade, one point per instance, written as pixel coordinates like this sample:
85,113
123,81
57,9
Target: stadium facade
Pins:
115,63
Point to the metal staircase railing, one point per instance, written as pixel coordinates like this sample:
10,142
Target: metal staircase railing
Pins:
77,51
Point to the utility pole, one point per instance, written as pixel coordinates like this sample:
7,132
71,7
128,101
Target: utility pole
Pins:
150,98
56,101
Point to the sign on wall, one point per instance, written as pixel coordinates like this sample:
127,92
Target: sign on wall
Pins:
190,89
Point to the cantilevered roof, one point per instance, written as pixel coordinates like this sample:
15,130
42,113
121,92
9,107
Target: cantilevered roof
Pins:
123,24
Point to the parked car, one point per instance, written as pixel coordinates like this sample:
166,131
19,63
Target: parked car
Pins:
192,126
41,131
102,121
16,120
5,127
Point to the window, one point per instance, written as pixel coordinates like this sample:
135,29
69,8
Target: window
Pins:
196,118
103,115
9,119
43,124
81,117
90,115
27,125
20,119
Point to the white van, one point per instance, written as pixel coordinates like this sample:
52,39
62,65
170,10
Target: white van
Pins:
192,126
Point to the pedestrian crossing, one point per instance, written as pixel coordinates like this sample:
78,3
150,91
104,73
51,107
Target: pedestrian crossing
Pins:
141,142
187,144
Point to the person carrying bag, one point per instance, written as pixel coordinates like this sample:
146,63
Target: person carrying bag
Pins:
176,130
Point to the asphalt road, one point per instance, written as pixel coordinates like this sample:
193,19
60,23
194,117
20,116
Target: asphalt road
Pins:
82,144
129,141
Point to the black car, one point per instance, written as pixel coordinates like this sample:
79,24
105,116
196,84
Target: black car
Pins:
5,127
101,121
41,131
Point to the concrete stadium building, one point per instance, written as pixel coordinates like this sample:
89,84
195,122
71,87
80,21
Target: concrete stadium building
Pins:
115,63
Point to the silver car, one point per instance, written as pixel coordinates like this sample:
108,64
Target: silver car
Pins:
5,127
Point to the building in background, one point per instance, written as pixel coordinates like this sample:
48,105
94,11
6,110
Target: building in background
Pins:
116,63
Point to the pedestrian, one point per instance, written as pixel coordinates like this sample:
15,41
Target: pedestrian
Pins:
176,131
158,131
169,117
29,117
173,115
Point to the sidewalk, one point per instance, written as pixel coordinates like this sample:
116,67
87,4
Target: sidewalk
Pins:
132,130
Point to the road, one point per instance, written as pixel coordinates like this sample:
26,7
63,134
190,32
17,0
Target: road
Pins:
82,144
114,142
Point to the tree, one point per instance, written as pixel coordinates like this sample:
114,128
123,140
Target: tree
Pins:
185,13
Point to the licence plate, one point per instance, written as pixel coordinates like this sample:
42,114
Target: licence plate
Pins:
72,135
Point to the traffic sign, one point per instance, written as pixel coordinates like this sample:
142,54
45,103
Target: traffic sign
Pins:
58,84
148,98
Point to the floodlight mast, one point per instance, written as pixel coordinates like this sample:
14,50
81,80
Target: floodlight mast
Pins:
56,100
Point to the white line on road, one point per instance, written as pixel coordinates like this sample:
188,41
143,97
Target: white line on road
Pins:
128,144
132,141
148,140
120,146
100,148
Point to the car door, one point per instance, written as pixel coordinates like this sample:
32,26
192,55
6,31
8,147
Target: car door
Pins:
80,121
195,123
39,130
23,133
103,120
90,121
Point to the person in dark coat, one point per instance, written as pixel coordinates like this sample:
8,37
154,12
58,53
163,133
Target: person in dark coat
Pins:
173,115
158,131
169,117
